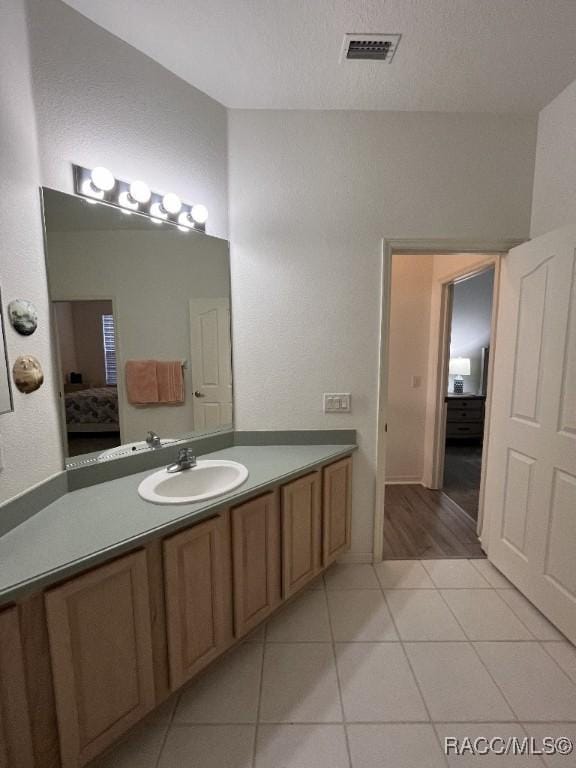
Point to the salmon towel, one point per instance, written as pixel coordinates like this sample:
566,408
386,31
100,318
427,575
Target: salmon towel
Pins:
170,381
154,382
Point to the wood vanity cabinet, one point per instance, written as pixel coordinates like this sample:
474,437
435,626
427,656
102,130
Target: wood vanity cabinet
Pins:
255,560
301,532
196,587
337,509
101,651
15,732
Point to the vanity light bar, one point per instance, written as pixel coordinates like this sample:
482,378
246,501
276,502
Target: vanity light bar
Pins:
99,184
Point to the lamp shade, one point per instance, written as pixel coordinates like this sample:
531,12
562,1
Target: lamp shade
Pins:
459,366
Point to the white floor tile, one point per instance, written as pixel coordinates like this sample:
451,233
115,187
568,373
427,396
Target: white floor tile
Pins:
317,583
491,573
410,745
377,684
454,683
403,574
501,733
455,574
208,746
141,747
540,731
351,576
484,615
300,684
565,655
360,615
163,713
228,692
301,746
305,619
531,681
256,636
530,615
421,614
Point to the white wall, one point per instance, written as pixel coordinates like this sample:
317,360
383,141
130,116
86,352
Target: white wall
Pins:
554,199
98,101
471,325
311,196
408,358
30,435
151,277
101,102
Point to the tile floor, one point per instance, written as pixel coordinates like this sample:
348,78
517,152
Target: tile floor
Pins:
372,667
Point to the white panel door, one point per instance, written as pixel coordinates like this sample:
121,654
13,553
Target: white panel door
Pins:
211,359
531,464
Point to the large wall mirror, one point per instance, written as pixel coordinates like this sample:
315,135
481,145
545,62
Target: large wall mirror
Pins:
141,328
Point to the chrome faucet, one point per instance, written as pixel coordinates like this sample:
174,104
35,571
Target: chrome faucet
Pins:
152,440
185,460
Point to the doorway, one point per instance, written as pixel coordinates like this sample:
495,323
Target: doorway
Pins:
86,352
415,517
471,305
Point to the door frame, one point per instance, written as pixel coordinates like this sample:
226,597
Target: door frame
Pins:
390,247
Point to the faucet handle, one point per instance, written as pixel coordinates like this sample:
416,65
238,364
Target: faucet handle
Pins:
185,454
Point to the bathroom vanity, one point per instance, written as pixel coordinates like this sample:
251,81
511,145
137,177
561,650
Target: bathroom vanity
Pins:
108,603
138,565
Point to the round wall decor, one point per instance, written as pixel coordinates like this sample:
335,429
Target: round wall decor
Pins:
27,374
23,316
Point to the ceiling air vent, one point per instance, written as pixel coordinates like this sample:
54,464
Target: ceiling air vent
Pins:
370,47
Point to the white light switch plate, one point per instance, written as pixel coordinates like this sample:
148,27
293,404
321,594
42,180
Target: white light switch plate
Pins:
337,402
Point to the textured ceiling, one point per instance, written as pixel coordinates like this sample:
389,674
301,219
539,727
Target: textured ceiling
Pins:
455,55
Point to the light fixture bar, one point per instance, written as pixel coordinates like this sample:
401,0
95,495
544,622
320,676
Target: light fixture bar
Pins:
99,185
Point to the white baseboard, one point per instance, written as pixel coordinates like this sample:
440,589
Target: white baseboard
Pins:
408,480
356,557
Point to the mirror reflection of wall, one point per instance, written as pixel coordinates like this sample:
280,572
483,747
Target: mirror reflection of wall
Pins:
148,303
470,332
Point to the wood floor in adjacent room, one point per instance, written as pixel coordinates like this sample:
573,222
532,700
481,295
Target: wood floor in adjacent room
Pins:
421,523
462,471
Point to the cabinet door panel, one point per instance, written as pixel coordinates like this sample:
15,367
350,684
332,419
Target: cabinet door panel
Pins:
101,650
15,732
194,582
256,561
337,503
301,532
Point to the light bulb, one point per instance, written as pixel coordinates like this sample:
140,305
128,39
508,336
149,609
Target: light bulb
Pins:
157,211
185,220
125,200
102,179
90,190
140,191
199,214
171,203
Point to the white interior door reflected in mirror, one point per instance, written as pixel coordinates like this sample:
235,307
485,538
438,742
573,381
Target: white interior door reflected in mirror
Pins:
211,359
5,389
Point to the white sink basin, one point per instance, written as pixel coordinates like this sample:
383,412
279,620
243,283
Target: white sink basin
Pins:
121,450
209,478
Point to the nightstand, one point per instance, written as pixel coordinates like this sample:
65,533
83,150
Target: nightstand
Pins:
465,416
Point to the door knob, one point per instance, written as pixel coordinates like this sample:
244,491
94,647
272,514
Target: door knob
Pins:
199,394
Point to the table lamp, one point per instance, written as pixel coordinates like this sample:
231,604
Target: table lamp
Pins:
459,367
